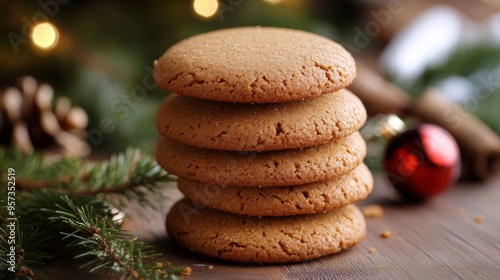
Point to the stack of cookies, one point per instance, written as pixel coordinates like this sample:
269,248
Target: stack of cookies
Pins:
263,138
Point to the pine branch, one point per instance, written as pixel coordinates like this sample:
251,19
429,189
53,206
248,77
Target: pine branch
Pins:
30,204
83,223
28,257
131,175
128,176
108,247
70,200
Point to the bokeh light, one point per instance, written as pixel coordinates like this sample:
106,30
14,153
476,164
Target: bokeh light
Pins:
45,35
273,1
205,8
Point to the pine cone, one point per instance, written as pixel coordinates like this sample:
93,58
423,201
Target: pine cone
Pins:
29,122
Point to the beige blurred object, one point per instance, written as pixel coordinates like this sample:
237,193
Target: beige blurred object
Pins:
479,145
29,122
476,10
377,94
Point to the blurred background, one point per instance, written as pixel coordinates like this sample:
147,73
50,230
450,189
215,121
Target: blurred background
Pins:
99,54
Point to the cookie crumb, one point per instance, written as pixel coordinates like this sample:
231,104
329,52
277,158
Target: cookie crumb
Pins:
379,266
187,271
373,211
385,233
479,219
372,250
210,267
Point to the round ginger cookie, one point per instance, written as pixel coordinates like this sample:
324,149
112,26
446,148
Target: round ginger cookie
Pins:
246,239
267,169
282,201
255,65
260,127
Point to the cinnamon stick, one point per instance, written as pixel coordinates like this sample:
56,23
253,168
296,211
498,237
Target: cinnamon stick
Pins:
377,94
479,145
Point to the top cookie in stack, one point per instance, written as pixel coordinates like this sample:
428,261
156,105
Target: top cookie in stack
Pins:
255,65
260,125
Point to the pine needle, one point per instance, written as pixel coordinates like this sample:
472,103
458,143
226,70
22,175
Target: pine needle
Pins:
72,202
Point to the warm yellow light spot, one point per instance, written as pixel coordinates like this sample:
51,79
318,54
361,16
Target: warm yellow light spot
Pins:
273,1
44,35
205,8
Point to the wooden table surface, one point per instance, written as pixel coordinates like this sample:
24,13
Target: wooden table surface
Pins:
439,239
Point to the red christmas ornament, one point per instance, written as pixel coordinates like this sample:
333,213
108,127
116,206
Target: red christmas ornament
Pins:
422,162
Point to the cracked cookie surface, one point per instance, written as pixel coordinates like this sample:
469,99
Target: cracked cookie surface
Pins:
260,127
282,201
255,65
266,169
264,240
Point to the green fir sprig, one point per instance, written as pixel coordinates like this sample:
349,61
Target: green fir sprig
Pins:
71,204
